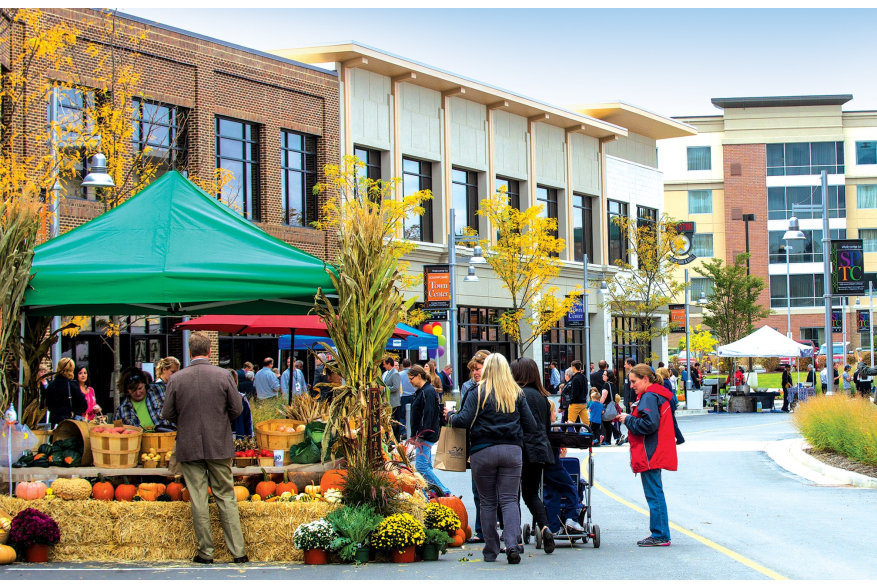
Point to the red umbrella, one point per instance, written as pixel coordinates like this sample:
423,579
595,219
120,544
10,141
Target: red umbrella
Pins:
305,325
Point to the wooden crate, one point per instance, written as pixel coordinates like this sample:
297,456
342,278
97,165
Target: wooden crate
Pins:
269,438
112,451
75,429
160,441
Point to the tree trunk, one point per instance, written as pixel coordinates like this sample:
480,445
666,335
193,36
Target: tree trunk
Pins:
117,368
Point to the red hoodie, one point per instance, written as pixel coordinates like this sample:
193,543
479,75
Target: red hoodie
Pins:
651,432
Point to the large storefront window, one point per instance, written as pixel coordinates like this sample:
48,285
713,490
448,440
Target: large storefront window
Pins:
617,241
563,344
623,345
417,176
479,329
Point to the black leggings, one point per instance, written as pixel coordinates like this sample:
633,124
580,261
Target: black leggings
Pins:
609,431
531,476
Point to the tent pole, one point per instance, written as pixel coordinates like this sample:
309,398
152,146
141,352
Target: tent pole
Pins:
186,344
291,362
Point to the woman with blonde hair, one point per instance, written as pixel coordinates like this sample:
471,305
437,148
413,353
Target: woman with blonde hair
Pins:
64,400
163,371
497,415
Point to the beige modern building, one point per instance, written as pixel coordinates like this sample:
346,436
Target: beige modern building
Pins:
760,156
463,139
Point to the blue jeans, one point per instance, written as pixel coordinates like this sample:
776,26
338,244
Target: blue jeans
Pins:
423,464
659,520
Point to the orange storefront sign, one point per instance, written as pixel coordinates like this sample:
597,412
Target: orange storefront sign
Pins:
436,287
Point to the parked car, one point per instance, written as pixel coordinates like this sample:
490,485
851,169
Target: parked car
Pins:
837,351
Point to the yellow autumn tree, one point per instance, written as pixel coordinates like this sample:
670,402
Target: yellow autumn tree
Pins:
524,257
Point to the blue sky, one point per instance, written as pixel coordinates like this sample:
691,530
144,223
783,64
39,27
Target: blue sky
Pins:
668,61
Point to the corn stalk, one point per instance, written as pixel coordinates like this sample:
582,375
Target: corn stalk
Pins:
369,277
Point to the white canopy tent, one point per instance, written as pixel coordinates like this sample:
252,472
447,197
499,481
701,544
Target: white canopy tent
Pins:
765,342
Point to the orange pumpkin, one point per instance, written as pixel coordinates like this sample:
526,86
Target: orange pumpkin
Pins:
184,495
30,490
287,485
151,491
125,491
459,538
175,490
241,493
103,490
468,532
266,487
457,505
333,479
7,555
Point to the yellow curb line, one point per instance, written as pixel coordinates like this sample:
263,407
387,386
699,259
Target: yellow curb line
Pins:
726,551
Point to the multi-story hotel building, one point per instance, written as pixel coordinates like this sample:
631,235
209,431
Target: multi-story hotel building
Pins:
760,156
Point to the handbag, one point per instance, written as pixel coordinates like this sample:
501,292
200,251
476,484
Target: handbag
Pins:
610,412
451,453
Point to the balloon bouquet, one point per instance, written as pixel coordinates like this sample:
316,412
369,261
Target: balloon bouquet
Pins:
435,329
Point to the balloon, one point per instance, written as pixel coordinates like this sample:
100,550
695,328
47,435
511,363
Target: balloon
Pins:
436,325
442,340
441,351
427,328
433,353
436,330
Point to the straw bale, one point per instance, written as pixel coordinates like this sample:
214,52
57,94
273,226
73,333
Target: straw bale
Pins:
102,531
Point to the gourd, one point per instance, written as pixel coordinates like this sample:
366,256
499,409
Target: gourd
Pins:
312,489
30,490
266,487
459,538
71,489
7,555
287,485
256,497
241,493
150,491
103,490
333,479
175,490
125,491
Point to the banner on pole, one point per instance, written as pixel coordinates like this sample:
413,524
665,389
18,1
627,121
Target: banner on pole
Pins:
837,321
863,319
677,317
847,267
437,287
575,318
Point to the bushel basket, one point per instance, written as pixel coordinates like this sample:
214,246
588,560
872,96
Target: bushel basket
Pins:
114,451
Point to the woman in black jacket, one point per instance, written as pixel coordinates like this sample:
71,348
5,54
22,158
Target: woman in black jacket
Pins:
426,423
497,415
610,390
537,449
64,399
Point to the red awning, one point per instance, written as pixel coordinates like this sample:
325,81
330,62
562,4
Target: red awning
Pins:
302,325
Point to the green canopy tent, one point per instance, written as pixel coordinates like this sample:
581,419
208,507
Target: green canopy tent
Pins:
172,250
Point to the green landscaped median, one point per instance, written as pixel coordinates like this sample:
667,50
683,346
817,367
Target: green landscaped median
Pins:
840,423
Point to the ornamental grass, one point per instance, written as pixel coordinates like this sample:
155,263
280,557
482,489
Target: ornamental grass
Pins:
840,423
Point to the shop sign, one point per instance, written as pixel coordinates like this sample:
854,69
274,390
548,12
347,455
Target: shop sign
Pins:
575,318
681,248
437,287
677,318
847,267
863,319
837,321
433,315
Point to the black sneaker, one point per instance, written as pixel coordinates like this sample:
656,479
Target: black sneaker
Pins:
653,542
513,556
547,541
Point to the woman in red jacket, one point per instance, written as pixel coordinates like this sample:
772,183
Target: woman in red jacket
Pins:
652,446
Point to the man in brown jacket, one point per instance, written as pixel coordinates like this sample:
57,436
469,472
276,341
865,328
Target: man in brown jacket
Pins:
203,400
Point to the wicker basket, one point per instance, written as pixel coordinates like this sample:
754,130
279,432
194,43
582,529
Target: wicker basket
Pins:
268,437
41,437
75,429
112,451
160,441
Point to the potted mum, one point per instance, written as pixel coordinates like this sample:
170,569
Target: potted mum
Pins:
441,523
354,525
34,531
400,534
314,538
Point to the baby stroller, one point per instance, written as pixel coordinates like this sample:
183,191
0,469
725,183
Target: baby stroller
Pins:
555,501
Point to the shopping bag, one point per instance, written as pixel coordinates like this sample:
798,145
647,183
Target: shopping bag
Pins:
451,452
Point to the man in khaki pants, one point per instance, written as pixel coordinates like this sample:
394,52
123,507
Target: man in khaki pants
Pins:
203,400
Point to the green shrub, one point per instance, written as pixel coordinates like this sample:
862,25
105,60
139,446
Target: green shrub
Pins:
839,423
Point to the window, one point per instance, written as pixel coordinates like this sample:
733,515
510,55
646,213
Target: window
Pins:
699,159
806,251
805,158
817,335
700,201
866,196
646,216
372,160
298,166
513,190
806,291
416,176
781,201
866,152
237,150
617,243
869,239
702,245
582,227
547,198
700,285
464,198
74,129
160,135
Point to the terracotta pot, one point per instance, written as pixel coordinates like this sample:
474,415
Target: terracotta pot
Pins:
405,555
431,552
38,553
315,556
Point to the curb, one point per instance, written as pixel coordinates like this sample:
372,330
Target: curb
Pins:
796,450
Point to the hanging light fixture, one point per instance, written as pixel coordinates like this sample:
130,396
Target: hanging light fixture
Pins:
471,277
794,233
702,299
98,176
604,289
477,257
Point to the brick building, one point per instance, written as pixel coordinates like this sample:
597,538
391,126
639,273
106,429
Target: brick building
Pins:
272,121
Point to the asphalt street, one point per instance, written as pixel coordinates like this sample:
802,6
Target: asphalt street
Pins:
736,514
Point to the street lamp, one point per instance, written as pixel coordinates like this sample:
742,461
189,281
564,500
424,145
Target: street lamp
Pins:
98,176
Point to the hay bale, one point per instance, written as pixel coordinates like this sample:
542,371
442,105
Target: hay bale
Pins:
102,531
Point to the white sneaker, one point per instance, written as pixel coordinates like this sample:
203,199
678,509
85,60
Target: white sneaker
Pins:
573,525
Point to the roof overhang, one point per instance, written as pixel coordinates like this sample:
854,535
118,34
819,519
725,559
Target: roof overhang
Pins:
637,120
782,101
352,54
